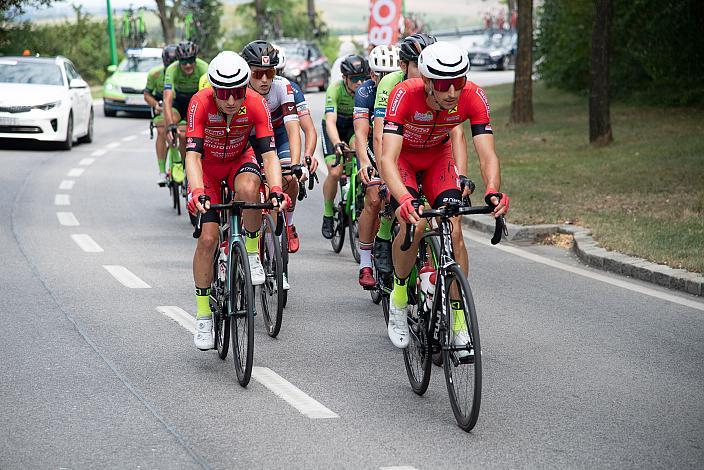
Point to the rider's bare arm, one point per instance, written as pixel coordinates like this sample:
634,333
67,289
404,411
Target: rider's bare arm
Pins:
378,137
331,128
194,169
389,163
361,134
151,101
310,133
168,110
459,148
293,129
488,161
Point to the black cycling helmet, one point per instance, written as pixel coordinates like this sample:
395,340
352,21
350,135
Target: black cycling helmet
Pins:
186,50
354,65
168,55
260,54
411,46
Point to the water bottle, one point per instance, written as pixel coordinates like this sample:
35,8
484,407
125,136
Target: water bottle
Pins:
222,262
427,277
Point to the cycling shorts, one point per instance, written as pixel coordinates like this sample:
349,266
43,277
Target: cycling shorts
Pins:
346,135
180,103
438,174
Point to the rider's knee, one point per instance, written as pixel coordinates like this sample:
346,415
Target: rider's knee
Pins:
457,238
208,241
247,186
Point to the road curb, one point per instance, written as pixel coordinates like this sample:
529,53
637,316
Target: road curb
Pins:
589,251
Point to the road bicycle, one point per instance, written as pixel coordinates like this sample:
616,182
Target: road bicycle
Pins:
133,29
350,205
175,174
231,292
431,314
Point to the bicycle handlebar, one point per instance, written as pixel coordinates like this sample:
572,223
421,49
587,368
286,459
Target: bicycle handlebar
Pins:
239,205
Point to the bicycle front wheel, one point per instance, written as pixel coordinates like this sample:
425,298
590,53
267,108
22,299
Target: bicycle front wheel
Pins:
241,312
271,293
338,235
218,305
462,362
284,260
354,238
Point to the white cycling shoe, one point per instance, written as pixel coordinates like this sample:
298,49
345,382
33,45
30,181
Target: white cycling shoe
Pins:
461,340
256,270
203,337
398,326
286,285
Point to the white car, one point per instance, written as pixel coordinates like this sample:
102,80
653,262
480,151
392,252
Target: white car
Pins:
44,98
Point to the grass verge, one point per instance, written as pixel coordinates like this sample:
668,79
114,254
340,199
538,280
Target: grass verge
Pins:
643,195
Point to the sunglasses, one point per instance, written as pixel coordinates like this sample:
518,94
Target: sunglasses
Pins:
188,61
225,93
258,74
357,78
444,84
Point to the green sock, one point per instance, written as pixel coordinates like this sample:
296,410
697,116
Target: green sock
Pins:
384,232
203,302
251,241
399,294
458,322
328,209
162,165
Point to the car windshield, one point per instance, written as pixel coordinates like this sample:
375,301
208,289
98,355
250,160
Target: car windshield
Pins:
497,40
38,73
139,64
299,52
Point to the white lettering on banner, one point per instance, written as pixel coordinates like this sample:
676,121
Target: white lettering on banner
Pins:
382,21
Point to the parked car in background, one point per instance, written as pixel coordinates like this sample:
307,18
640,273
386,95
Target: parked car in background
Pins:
45,99
497,50
124,89
305,64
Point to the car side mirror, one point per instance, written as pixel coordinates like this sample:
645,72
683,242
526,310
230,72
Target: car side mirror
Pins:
112,68
77,83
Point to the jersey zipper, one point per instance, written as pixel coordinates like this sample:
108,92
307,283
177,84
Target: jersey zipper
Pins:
435,121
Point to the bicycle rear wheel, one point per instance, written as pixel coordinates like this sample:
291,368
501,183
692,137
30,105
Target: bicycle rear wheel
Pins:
218,305
284,260
463,376
272,291
353,228
338,235
242,312
176,195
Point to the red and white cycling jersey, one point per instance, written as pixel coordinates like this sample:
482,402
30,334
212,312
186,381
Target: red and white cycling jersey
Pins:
409,115
208,133
281,102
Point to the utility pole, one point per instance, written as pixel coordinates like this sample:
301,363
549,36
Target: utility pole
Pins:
311,17
259,12
111,35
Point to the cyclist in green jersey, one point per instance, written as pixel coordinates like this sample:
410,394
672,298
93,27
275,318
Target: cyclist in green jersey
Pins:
180,84
153,95
338,128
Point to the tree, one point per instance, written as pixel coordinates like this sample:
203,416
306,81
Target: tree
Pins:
9,9
522,102
599,117
168,14
205,30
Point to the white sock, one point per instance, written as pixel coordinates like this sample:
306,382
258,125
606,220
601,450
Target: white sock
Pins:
365,259
289,217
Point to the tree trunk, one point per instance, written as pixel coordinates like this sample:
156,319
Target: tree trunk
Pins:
599,114
522,102
311,16
260,17
167,20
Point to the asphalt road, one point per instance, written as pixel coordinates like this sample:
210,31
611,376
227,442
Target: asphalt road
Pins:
578,372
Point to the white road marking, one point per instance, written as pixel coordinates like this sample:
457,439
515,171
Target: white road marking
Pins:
86,161
112,145
402,467
291,394
67,219
99,153
62,200
596,276
145,132
86,243
126,277
128,138
67,185
180,316
75,172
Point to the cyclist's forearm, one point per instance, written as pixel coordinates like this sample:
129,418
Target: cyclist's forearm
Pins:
310,134
361,133
272,168
488,161
459,149
389,163
194,170
331,127
293,129
151,101
168,111
378,138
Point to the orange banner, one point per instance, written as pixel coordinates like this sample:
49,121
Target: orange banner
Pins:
384,20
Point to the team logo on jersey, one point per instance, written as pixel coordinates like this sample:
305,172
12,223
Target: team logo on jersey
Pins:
243,110
390,126
214,117
363,92
272,143
289,89
396,102
456,117
482,95
488,128
242,119
192,114
265,60
423,116
453,110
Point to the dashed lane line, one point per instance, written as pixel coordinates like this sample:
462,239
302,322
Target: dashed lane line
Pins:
67,219
76,172
282,388
86,243
66,185
125,277
129,138
592,275
99,153
402,467
112,145
62,200
86,161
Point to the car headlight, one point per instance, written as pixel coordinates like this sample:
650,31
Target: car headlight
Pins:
47,106
295,72
109,86
495,54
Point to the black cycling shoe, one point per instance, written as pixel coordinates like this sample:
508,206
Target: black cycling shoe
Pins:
382,256
328,227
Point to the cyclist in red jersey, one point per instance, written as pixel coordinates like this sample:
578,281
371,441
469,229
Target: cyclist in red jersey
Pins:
220,120
420,115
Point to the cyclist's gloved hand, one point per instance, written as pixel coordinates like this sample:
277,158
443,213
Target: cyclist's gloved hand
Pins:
466,186
498,199
279,198
196,204
297,170
340,147
311,163
364,174
406,211
171,131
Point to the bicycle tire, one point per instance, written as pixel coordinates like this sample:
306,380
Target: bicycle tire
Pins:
176,194
271,292
284,260
338,235
465,406
218,305
353,228
241,311
417,356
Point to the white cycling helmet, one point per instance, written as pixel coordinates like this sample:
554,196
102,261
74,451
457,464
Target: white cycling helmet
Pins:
384,59
228,70
443,60
282,57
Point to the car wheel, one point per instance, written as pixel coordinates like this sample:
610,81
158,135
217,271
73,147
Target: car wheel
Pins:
325,84
503,63
88,138
68,142
303,81
109,112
